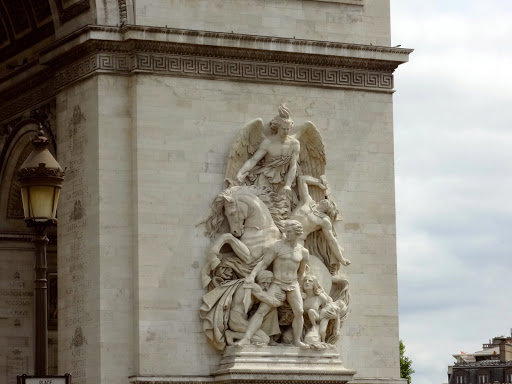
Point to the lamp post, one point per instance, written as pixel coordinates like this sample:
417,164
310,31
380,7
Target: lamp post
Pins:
41,178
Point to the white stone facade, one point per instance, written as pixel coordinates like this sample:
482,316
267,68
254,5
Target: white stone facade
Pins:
144,117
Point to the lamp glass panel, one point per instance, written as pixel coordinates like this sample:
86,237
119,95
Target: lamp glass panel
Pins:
55,202
41,202
24,199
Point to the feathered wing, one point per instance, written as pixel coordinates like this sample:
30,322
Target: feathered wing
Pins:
312,155
244,146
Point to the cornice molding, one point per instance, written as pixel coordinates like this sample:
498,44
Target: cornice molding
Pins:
270,43
129,50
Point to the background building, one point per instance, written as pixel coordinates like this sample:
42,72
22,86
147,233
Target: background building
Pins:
492,364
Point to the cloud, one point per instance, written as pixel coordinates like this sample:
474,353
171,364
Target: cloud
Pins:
453,145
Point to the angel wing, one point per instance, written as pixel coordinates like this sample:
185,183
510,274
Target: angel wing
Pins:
244,146
312,155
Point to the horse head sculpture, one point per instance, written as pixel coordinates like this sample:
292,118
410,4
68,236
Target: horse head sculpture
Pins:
236,213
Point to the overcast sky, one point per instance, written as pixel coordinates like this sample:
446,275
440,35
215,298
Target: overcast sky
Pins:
453,151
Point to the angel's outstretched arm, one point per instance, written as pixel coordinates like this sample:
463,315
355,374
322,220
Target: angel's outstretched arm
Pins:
251,163
292,170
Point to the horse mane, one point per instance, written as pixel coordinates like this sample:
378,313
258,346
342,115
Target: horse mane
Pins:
276,204
216,217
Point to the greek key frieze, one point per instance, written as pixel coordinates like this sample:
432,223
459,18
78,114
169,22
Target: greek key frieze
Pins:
260,71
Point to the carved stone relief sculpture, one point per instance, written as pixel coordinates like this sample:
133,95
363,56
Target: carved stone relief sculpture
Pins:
274,264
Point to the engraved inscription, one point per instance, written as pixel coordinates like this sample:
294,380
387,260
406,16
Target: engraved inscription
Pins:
16,365
76,254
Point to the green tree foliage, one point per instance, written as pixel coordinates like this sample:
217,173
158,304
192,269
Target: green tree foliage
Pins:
405,364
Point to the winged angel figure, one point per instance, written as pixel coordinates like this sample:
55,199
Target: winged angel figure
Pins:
271,157
274,173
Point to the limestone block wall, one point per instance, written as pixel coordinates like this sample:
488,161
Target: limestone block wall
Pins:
79,252
145,155
360,22
116,202
144,120
182,129
95,231
16,310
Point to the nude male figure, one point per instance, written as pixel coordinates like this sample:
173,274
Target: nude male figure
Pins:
318,216
238,319
289,260
281,153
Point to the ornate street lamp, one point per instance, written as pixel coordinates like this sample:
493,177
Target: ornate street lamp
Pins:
41,178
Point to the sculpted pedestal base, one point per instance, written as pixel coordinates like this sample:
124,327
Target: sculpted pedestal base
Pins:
281,364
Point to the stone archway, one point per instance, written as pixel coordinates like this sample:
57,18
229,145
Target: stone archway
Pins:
25,24
15,150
